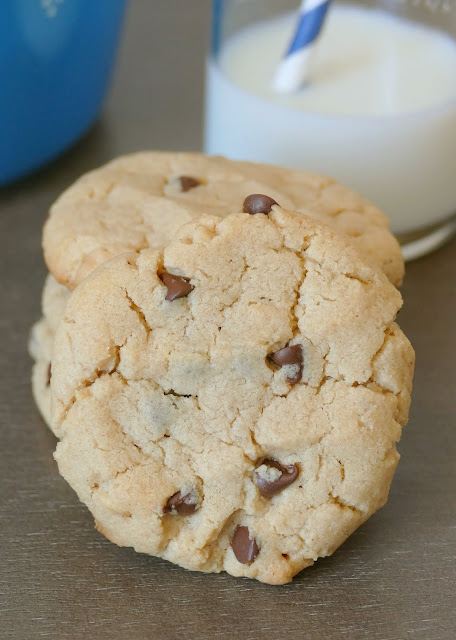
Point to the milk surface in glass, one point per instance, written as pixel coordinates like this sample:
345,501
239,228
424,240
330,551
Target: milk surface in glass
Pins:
379,112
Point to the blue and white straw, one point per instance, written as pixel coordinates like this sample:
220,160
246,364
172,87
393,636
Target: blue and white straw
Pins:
294,68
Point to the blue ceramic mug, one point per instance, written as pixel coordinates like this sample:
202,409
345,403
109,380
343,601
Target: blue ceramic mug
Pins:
56,58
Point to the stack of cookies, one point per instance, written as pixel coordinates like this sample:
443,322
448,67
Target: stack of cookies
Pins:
219,358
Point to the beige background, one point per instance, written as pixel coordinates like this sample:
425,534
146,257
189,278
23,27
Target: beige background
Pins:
394,579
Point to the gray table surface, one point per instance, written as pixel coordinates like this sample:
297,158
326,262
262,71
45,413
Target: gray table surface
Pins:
393,579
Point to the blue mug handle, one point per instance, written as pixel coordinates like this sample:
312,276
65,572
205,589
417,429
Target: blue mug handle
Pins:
56,59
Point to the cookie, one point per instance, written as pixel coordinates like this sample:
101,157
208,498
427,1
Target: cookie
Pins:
140,201
53,303
40,349
234,401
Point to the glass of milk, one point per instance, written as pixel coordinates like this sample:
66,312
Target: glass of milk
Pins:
378,113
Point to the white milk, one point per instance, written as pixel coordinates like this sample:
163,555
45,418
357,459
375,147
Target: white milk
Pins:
379,113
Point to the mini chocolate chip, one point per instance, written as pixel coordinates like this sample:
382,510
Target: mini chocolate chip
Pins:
289,355
183,505
48,381
188,182
178,286
258,203
269,488
244,548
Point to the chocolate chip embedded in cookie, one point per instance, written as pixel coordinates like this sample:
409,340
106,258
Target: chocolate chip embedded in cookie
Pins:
292,358
272,477
182,503
244,547
258,203
177,286
177,185
188,182
183,426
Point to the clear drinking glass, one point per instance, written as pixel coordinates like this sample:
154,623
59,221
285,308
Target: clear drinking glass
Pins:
399,154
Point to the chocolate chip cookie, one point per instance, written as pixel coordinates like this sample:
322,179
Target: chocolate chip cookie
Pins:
233,401
53,303
140,201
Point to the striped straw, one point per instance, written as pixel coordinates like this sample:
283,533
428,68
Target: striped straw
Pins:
294,68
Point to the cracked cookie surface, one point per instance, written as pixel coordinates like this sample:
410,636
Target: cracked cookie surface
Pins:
141,200
249,425
53,303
